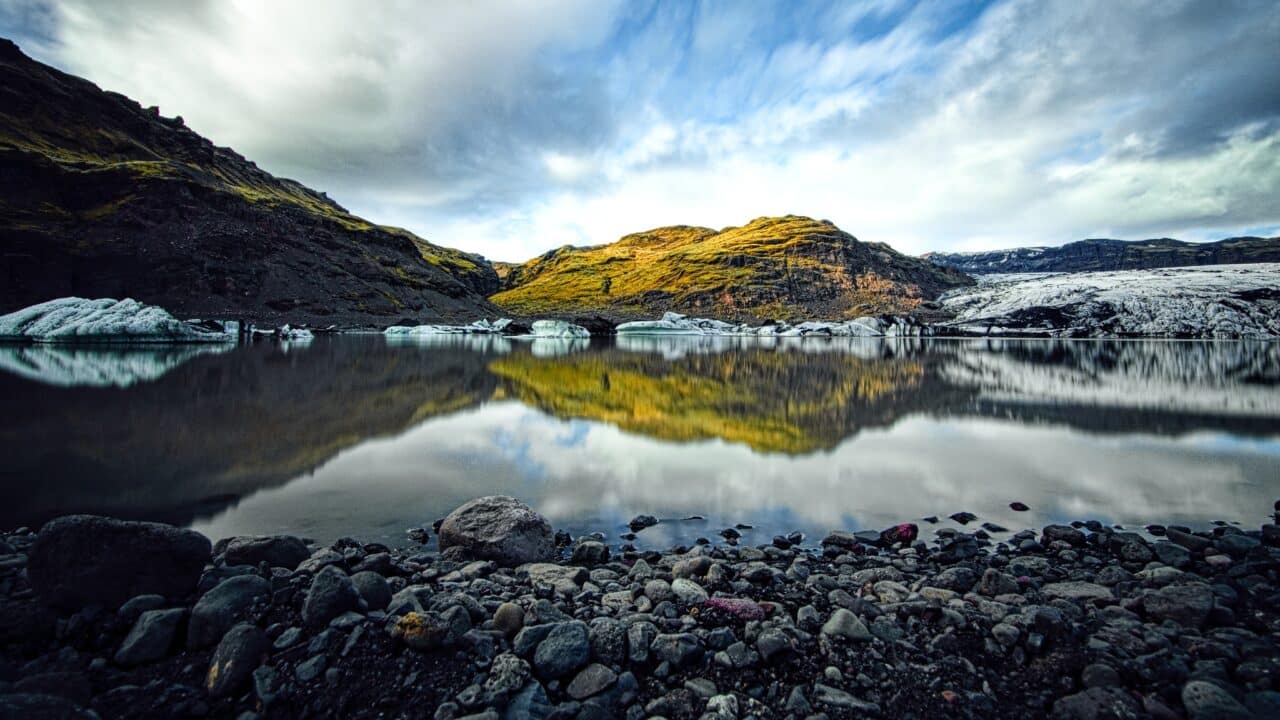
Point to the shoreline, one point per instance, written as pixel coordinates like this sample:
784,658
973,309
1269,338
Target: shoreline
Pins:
1068,622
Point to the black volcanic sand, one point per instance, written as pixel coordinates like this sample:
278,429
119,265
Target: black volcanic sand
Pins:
1070,622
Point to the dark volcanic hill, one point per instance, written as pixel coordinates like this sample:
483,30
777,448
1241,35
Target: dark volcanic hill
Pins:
1087,255
788,267
100,197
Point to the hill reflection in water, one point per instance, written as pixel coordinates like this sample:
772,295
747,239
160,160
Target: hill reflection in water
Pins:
358,436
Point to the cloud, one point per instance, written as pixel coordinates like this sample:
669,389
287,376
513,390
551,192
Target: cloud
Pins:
512,127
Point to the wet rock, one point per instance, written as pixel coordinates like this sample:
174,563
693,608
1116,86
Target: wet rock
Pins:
688,592
501,529
1077,590
1018,507
1187,604
590,552
963,517
233,663
130,611
42,707
1206,701
283,551
678,649
331,594
80,560
640,522
1099,675
372,588
1099,703
837,698
222,607
774,645
742,608
1062,533
902,534
1190,541
531,703
845,625
958,579
508,618
1172,554
591,680
151,637
564,579
566,648
995,583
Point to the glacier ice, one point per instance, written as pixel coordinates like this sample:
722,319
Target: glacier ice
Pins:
675,324
104,320
479,327
558,329
1217,301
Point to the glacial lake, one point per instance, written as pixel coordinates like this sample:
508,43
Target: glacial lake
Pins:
365,437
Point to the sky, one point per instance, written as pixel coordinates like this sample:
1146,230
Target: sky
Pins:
511,127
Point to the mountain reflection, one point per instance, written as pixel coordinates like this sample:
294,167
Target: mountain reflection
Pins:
173,435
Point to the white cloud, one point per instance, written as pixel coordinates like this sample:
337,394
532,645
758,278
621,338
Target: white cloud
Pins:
513,127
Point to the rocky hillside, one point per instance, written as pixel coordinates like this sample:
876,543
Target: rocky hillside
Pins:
100,197
771,268
1088,255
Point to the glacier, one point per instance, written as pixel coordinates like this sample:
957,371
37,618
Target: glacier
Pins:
104,320
1220,301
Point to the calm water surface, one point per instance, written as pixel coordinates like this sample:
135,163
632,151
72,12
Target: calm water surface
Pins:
359,436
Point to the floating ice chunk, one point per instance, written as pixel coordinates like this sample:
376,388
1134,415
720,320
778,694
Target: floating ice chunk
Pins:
293,333
105,320
658,327
558,329
479,327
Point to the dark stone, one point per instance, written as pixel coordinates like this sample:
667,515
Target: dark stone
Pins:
33,706
224,606
1097,703
331,594
151,637
1062,533
640,522
373,589
283,551
566,648
237,656
80,560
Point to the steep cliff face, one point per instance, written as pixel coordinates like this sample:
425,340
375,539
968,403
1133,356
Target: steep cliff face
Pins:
1090,255
771,268
100,197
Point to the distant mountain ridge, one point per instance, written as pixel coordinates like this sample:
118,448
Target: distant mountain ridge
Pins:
100,197
1105,254
783,268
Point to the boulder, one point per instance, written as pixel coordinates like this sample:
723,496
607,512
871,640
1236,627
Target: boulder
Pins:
151,637
1187,604
501,529
284,551
80,560
331,594
237,656
224,606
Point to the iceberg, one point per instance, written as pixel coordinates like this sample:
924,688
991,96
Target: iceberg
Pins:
105,320
479,327
558,329
674,324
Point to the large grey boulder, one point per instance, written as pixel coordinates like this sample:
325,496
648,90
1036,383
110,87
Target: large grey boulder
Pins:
284,551
81,560
501,529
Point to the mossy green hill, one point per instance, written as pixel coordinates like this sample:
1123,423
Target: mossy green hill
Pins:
101,197
788,267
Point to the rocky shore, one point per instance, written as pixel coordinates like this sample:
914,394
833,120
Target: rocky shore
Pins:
501,617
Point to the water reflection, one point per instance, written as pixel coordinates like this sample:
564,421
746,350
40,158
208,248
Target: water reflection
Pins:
367,436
